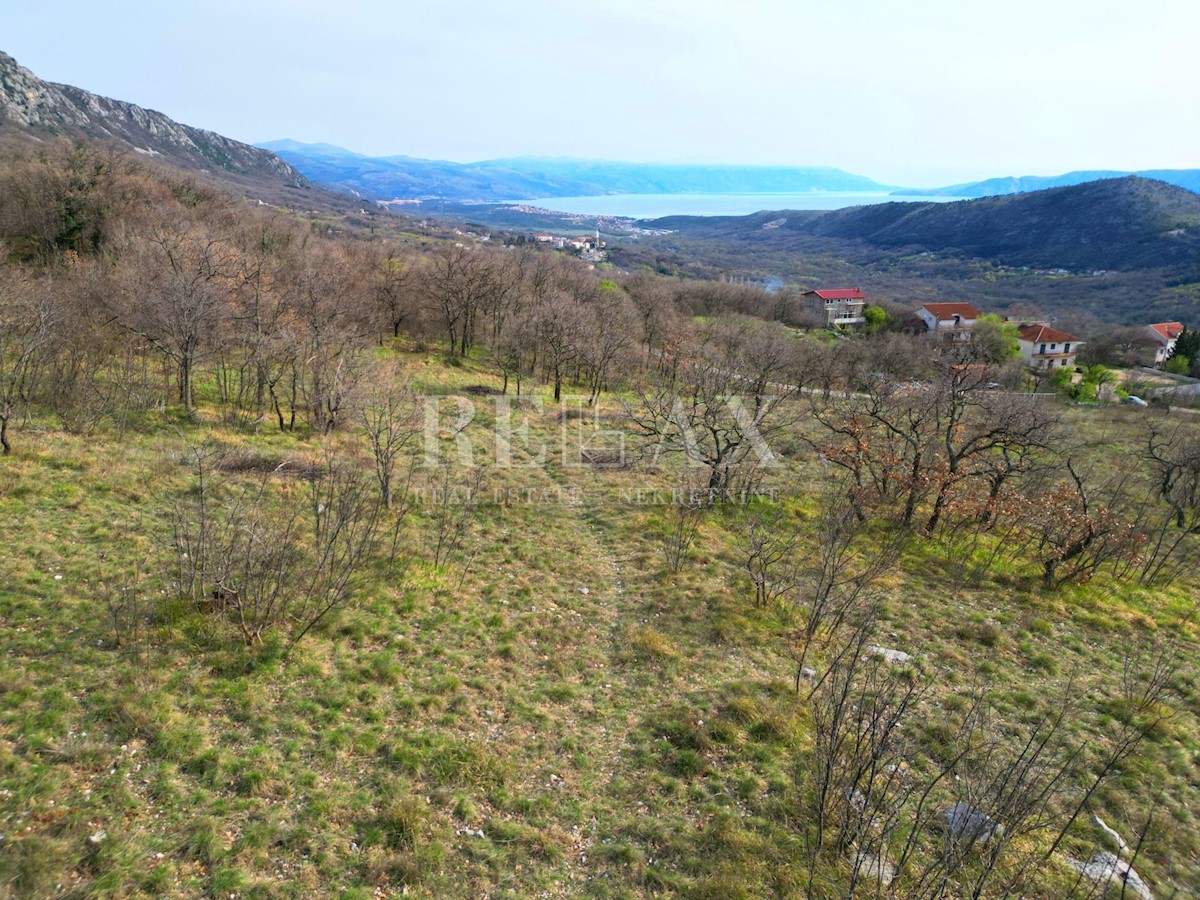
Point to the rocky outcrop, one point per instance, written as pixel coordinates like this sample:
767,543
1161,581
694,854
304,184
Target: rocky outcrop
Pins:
41,107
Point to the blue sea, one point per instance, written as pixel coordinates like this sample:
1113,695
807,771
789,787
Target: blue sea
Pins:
653,206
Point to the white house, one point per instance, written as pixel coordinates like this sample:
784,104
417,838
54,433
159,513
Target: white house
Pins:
1160,343
843,306
1043,347
950,321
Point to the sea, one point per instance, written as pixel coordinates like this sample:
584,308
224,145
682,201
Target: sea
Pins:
655,206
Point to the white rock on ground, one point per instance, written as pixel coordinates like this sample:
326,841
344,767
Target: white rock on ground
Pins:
1107,868
1115,839
872,866
968,824
892,656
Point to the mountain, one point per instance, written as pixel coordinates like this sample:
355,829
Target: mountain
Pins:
524,178
34,109
1121,223
995,187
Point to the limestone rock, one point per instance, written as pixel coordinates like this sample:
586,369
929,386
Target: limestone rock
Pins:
879,868
1118,843
967,824
892,656
1107,868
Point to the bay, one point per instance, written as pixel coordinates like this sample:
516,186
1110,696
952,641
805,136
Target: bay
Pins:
654,206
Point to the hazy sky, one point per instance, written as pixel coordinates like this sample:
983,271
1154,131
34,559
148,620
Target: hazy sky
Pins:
911,92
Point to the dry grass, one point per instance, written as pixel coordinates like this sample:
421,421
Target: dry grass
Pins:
550,713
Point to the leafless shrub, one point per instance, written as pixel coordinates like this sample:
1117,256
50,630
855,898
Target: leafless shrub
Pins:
769,554
251,552
450,501
857,786
684,516
834,584
129,607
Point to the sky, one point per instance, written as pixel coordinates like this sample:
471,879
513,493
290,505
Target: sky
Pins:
908,92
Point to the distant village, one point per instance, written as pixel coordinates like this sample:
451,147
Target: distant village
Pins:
590,248
1042,345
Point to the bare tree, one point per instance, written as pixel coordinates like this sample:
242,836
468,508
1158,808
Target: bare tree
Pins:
515,347
392,289
684,516
719,406
454,283
390,415
344,538
28,319
653,299
176,295
858,788
1171,522
1076,538
560,325
327,331
451,499
608,330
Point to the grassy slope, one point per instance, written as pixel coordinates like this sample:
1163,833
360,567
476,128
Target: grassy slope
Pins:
636,738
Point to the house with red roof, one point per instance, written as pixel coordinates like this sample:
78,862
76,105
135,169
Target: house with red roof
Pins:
949,321
1043,347
838,307
1159,344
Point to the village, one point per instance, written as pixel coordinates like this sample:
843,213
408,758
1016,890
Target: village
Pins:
1042,346
590,248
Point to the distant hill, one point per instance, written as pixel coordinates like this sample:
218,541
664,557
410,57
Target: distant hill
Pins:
523,178
1122,223
996,187
32,109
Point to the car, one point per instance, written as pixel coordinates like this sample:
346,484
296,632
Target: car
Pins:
1135,401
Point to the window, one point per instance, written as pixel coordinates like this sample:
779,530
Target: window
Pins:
1054,346
1043,350
1066,348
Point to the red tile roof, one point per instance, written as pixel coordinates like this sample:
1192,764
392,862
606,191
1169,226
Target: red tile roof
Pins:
944,311
1167,331
1037,333
840,294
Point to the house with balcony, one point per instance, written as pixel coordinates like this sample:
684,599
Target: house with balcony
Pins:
1043,347
839,308
947,321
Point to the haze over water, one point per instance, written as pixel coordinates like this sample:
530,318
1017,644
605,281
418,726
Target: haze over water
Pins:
653,206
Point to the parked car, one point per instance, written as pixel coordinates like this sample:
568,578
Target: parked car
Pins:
1135,401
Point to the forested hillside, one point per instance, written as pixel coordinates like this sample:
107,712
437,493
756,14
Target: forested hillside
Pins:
1128,223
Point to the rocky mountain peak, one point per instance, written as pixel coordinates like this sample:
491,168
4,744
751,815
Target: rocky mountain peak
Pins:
39,108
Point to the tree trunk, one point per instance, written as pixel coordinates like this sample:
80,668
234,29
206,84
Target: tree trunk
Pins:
185,383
